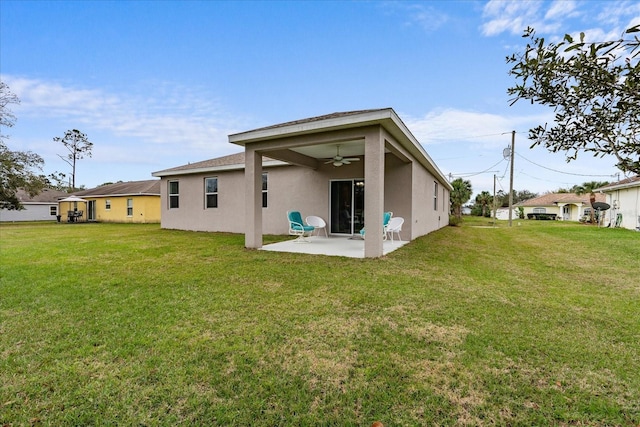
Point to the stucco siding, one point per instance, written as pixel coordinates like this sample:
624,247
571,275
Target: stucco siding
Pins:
146,209
426,217
397,197
408,193
31,212
626,202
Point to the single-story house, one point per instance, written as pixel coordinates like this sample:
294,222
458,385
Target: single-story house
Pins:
503,213
41,207
624,199
565,206
133,201
348,168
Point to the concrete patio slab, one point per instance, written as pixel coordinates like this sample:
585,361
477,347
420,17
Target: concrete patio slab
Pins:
331,246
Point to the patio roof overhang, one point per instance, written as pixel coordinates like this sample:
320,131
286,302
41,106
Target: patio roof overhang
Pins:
315,139
368,133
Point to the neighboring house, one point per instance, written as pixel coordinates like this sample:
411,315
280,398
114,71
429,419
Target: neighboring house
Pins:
503,213
134,201
566,206
41,207
624,199
301,166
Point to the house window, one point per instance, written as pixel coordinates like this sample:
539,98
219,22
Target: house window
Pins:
264,190
53,210
444,208
435,196
107,204
539,210
211,193
129,207
174,195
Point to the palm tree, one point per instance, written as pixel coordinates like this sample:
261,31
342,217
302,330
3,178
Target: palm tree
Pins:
589,187
484,199
460,195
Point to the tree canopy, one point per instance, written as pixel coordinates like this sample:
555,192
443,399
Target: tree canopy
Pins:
16,167
460,195
594,90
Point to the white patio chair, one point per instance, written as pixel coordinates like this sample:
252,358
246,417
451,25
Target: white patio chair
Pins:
395,226
317,223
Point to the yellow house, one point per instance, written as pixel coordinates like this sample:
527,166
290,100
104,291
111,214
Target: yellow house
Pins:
134,202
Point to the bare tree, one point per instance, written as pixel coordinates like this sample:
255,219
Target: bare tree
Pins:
7,118
78,146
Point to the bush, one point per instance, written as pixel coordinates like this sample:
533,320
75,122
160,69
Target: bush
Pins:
454,221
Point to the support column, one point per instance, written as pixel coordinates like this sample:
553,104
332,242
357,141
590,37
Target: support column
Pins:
374,193
252,198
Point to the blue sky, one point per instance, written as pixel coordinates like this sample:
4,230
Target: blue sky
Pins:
158,84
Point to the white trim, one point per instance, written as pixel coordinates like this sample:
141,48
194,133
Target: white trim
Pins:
238,166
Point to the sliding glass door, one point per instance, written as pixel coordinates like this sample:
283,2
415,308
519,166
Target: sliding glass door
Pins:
347,206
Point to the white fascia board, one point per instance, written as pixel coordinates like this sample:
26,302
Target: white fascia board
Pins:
333,123
224,168
618,187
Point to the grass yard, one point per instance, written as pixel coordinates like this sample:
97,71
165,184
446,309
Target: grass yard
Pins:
108,324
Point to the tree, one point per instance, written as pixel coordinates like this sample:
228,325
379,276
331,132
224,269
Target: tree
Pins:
15,166
594,89
78,146
518,196
484,199
460,195
16,172
7,119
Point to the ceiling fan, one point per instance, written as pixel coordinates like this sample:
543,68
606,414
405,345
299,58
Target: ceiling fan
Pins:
338,160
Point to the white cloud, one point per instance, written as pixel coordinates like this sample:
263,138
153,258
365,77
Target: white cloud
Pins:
170,115
561,9
509,16
422,14
505,16
485,130
617,14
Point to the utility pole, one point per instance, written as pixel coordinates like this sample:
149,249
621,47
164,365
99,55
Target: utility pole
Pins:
495,202
513,149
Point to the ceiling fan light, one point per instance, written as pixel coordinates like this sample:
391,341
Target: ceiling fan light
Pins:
337,164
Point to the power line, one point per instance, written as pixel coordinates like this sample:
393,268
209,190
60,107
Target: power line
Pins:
470,174
558,171
450,138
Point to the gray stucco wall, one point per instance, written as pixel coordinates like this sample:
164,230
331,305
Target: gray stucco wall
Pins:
31,212
408,193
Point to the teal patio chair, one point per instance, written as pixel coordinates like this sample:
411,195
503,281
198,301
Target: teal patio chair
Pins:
386,217
297,227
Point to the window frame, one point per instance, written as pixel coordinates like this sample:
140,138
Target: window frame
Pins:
173,196
129,207
435,195
265,190
207,193
107,204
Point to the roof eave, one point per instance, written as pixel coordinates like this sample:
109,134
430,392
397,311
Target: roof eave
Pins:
386,118
214,169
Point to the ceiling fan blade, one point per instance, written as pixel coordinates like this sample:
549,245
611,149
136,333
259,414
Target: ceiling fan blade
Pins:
352,159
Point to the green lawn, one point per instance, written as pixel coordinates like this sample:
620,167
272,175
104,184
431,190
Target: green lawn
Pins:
107,324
